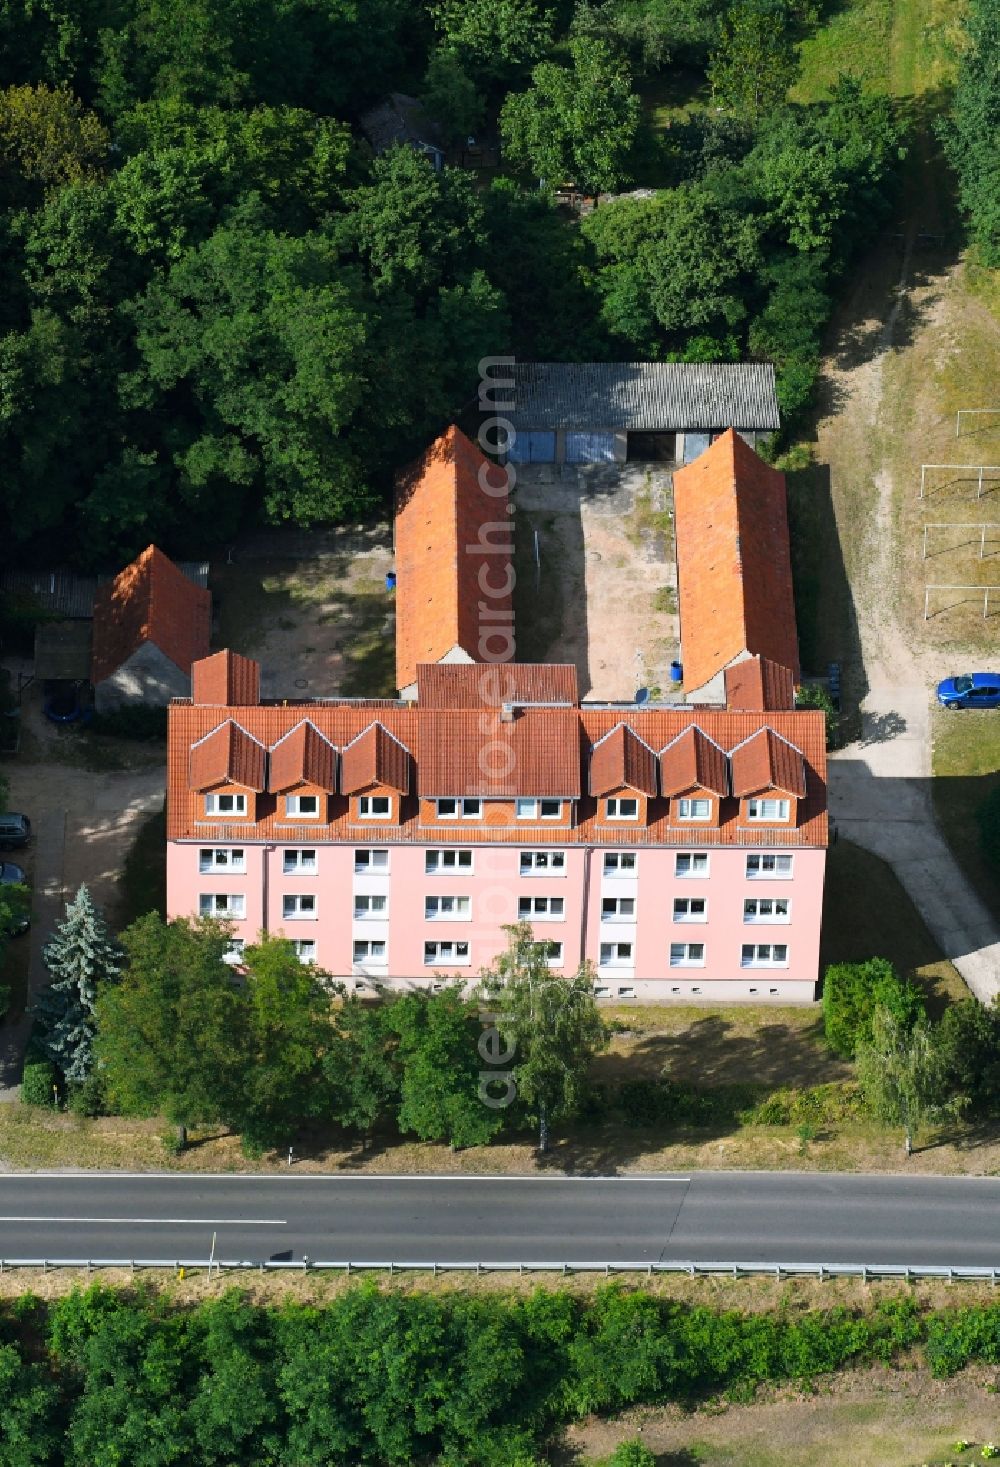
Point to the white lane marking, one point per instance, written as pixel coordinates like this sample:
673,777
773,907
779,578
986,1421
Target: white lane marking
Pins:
177,1222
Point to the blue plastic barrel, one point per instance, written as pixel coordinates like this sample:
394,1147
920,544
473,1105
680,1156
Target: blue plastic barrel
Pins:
676,672
390,580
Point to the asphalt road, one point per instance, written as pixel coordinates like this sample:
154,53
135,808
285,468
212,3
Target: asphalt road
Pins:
746,1217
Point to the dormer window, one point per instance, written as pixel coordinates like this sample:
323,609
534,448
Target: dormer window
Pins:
470,809
225,804
696,808
768,809
531,809
374,807
302,807
622,809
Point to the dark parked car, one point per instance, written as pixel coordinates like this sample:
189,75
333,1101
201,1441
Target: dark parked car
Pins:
11,875
970,690
15,830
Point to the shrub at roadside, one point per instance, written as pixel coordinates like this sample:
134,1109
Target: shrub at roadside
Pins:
851,994
38,1079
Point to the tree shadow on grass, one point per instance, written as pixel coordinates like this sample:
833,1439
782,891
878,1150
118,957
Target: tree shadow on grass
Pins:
710,1052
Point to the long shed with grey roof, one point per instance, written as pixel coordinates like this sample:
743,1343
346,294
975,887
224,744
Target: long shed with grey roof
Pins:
594,412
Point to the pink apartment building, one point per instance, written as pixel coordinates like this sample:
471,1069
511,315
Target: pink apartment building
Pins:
679,848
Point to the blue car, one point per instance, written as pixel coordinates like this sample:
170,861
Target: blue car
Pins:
971,690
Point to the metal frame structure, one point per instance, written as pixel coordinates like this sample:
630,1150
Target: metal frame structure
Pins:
978,469
961,526
970,412
985,590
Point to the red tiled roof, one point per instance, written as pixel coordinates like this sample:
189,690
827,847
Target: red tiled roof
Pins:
734,573
375,757
303,756
549,748
227,755
441,510
767,762
621,760
226,678
469,753
758,685
150,601
693,761
491,684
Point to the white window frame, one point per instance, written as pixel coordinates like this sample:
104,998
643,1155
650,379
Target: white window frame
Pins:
365,865
235,909
293,810
293,862
610,955
364,911
300,944
756,810
753,916
613,811
543,863
543,909
687,807
235,860
617,913
687,955
614,866
554,954
683,912
446,953
761,955
459,910
692,874
214,807
467,807
292,909
365,812
783,866
234,952
371,952
435,865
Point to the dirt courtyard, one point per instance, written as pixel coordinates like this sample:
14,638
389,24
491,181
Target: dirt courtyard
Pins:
602,592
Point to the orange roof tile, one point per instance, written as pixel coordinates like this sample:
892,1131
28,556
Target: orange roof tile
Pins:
549,748
150,601
622,760
767,762
469,753
226,678
491,684
693,761
734,574
758,685
227,755
442,514
375,757
302,756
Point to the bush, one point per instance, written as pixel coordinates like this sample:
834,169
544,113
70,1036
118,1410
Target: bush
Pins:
87,1097
140,721
851,993
633,1453
38,1079
814,695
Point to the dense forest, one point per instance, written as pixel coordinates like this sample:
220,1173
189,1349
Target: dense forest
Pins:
219,306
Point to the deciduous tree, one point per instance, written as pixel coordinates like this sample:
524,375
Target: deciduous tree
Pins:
901,1074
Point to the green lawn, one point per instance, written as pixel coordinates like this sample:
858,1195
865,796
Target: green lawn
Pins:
966,766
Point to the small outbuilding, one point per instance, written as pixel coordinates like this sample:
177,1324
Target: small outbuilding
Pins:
640,412
400,121
151,623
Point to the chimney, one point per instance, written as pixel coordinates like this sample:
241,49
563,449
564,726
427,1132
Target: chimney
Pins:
507,713
226,679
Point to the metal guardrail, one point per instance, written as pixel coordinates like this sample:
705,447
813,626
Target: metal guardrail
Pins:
823,1271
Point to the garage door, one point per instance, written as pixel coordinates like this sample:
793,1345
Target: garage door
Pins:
590,448
533,448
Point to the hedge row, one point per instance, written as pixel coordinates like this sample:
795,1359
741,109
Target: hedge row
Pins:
102,1378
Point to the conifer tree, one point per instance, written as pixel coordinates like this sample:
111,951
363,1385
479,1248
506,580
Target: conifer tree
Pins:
81,955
